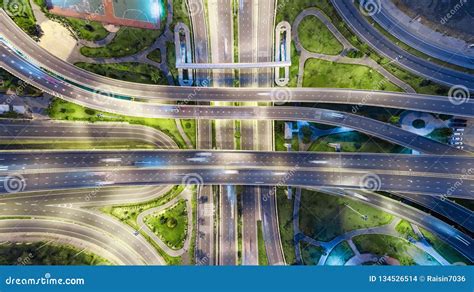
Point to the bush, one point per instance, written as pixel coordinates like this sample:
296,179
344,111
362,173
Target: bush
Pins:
89,111
354,53
172,222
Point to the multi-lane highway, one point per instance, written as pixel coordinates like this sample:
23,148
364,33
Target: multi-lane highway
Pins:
429,70
205,211
61,213
120,106
444,207
461,56
423,174
455,238
99,84
78,131
442,174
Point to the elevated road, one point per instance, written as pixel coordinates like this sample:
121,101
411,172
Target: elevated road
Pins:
61,213
460,56
444,207
241,65
34,54
78,131
423,174
452,236
363,29
45,229
93,100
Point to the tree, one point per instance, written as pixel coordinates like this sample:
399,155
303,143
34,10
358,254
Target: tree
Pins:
155,77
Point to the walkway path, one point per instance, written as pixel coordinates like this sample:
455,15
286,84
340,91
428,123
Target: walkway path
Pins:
387,229
186,195
140,57
183,134
365,61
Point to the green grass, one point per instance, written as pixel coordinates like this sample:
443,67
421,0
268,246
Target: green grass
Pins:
288,10
47,253
285,221
317,38
414,51
294,68
406,230
323,217
129,213
63,110
74,144
279,135
155,55
381,245
310,253
133,72
22,16
441,135
171,60
10,82
180,15
239,191
127,41
320,73
340,255
189,127
237,135
262,253
192,246
354,142
170,225
280,138
87,30
444,249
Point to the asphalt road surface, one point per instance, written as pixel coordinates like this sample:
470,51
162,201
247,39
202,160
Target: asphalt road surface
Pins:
423,174
108,86
355,20
78,131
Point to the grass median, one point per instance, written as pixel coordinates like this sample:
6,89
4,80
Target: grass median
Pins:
128,214
170,225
